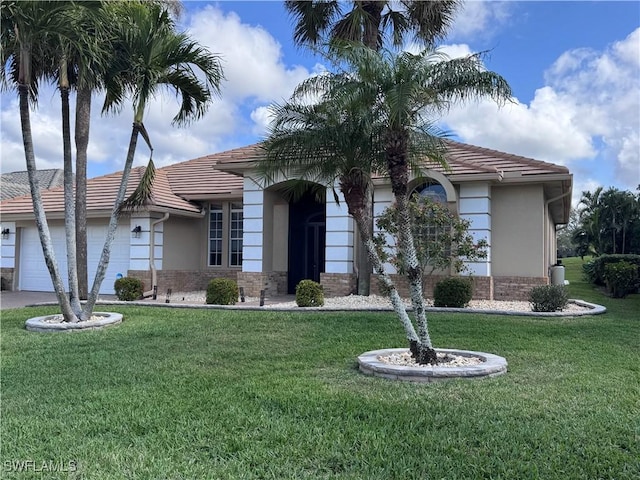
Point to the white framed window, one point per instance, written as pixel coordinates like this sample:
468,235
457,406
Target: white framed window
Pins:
235,235
215,235
225,235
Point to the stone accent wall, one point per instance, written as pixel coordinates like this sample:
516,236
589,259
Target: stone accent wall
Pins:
182,280
273,283
6,278
338,284
516,288
483,288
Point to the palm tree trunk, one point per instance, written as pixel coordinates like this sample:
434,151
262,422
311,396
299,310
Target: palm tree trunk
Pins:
396,147
69,207
38,209
113,222
357,206
83,118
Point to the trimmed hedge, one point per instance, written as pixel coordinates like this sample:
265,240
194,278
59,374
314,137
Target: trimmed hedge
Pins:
309,294
222,291
128,289
548,298
454,292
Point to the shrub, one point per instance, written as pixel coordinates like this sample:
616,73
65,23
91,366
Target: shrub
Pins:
600,263
452,292
589,271
222,291
548,298
128,289
621,279
309,294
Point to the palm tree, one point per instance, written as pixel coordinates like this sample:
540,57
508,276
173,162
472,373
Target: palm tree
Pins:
31,32
152,56
321,22
349,155
403,94
329,22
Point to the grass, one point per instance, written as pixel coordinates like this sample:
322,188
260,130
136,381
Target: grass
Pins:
199,394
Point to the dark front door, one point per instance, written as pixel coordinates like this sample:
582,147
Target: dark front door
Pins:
306,240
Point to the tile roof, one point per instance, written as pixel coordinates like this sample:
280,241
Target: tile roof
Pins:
181,185
16,184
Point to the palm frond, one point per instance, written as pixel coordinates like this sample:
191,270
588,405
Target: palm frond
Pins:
143,193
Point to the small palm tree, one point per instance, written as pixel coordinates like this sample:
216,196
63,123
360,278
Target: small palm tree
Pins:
314,142
402,94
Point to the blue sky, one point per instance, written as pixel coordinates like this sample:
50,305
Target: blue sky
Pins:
574,68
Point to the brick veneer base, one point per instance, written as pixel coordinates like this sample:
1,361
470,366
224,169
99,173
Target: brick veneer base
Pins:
335,284
338,284
516,288
181,280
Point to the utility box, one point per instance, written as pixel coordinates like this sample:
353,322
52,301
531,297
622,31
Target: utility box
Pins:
557,275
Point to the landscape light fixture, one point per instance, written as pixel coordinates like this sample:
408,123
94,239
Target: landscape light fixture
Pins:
136,232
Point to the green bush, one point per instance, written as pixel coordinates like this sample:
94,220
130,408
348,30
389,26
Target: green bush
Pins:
309,294
597,275
222,291
128,289
548,298
453,292
621,279
589,271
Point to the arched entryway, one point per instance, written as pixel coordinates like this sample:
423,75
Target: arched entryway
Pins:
307,236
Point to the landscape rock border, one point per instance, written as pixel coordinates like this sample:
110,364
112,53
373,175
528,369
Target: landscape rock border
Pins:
41,324
491,366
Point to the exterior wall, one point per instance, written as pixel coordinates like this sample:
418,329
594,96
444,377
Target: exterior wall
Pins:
339,237
516,288
140,248
8,249
185,239
339,284
518,226
475,206
273,283
181,280
253,234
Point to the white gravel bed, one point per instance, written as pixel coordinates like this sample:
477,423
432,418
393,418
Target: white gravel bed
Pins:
444,359
376,302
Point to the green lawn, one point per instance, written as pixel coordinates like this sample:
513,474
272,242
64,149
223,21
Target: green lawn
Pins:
197,394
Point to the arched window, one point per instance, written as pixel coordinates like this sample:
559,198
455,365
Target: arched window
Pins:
432,236
433,190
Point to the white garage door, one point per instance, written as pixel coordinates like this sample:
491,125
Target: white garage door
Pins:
34,275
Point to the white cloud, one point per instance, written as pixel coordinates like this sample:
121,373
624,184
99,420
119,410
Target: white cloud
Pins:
256,75
480,19
588,109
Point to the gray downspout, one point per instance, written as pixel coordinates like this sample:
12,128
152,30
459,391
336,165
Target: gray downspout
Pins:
152,247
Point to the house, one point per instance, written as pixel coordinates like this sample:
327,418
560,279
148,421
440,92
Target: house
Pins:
211,216
16,184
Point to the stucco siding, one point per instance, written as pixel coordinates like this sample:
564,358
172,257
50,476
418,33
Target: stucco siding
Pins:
518,226
184,241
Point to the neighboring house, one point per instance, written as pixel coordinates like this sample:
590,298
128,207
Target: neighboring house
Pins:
211,217
16,184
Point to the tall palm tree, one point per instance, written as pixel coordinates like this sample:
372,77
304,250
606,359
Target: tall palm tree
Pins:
31,33
153,56
404,94
320,144
320,22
